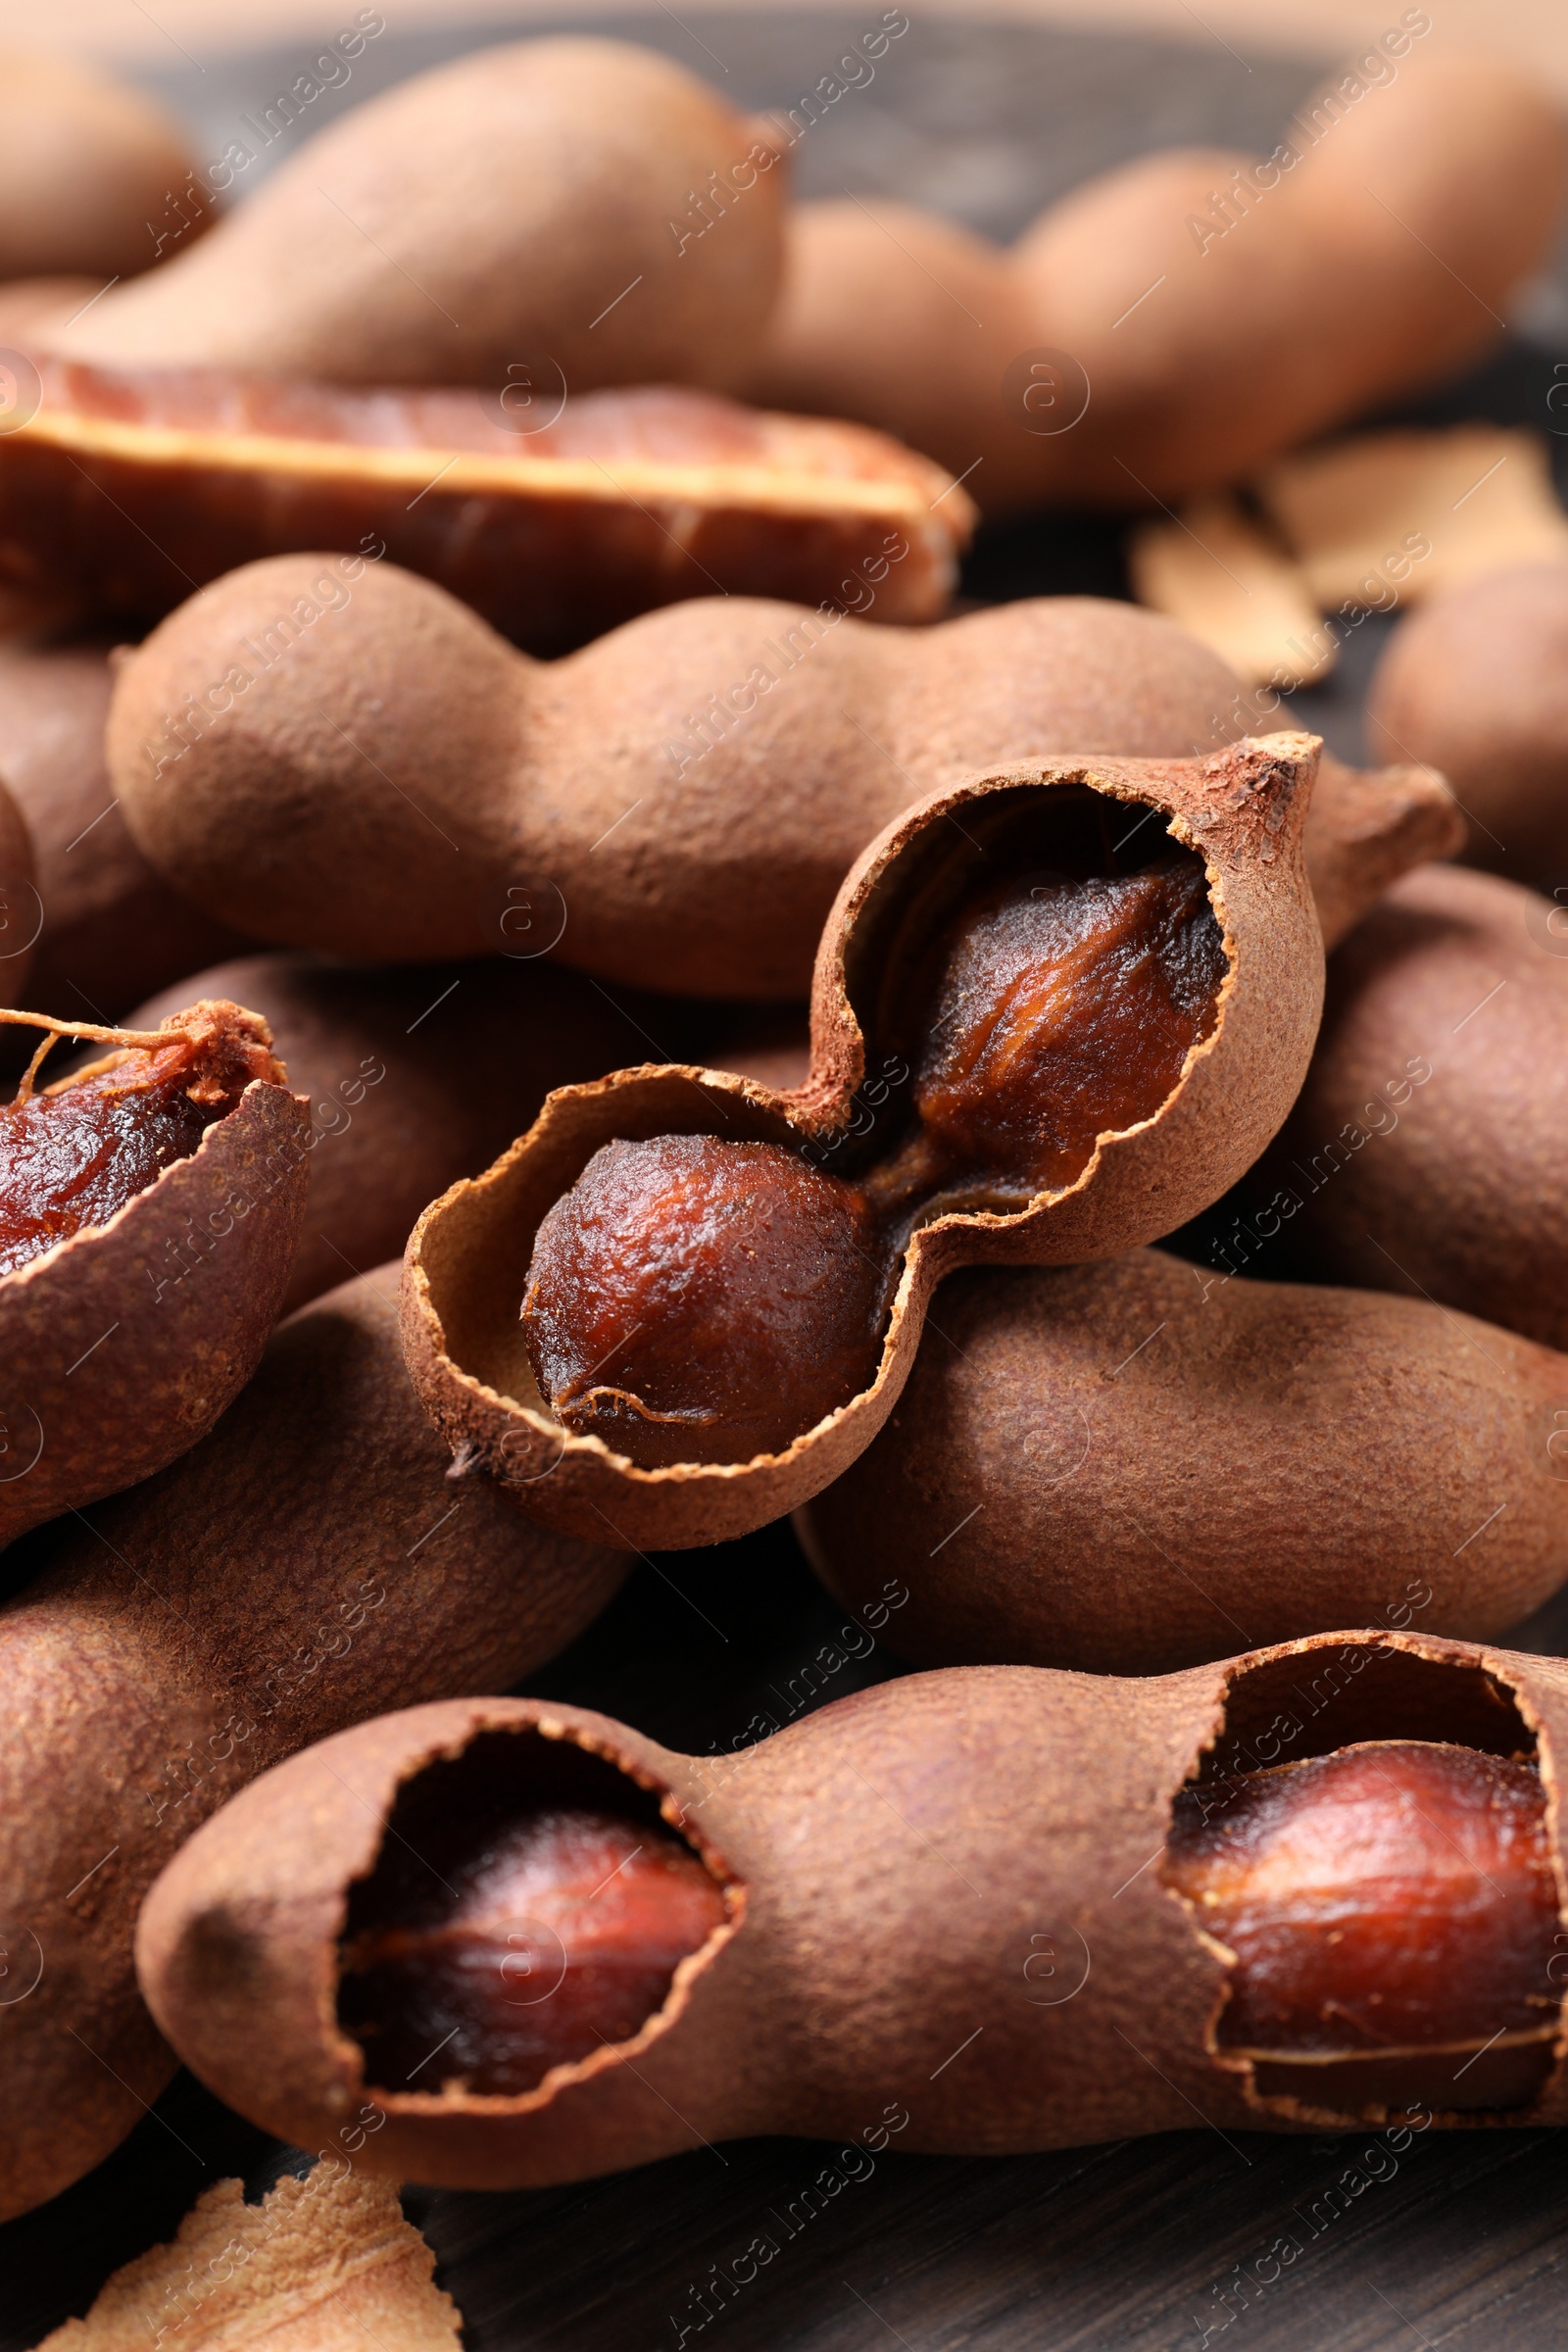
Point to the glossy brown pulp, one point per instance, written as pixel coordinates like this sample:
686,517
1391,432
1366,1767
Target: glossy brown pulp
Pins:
72,1157
1390,1917
561,1934
696,1300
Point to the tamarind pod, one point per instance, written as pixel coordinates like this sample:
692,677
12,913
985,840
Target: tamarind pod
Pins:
942,1922
1426,1152
87,167
1122,1467
21,901
468,1257
303,1566
689,827
125,1341
1422,201
130,487
416,1075
519,203
109,929
1474,682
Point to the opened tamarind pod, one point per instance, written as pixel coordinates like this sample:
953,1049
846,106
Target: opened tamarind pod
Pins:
89,171
150,1207
127,487
1474,682
1121,1467
539,202
1308,1887
305,1566
108,930
684,796
1375,249
416,1075
1426,1151
1054,1007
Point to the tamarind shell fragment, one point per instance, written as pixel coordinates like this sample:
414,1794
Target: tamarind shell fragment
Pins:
468,1258
130,487
944,1901
1425,1152
681,799
122,1344
415,1075
109,930
305,1565
1121,1467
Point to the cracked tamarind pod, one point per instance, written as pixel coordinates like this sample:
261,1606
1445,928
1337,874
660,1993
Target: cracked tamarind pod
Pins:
1301,1889
1052,1006
150,1209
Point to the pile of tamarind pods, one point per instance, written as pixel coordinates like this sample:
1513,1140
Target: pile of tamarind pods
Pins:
990,1086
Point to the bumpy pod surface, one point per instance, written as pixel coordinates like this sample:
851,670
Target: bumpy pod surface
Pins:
123,487
305,1566
1082,366
416,1075
487,213
676,805
940,1903
109,929
1240,815
124,1339
1120,1467
1426,1152
1475,682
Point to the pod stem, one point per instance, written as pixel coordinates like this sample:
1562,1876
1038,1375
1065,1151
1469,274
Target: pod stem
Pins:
145,1041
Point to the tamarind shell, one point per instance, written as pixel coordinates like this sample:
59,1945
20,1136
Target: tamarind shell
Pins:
467,1258
1474,682
1446,1186
123,1343
109,929
236,1589
465,1054
20,903
1123,1467
584,790
128,488
516,204
88,166
942,1900
1079,365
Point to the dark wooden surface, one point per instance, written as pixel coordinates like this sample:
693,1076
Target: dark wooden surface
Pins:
1190,2239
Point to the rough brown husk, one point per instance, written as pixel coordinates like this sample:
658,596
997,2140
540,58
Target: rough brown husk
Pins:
1124,1467
646,835
1425,1152
306,1566
467,1258
945,1902
124,1344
